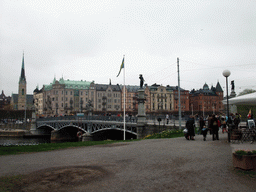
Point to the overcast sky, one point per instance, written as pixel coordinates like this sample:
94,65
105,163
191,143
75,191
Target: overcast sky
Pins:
86,40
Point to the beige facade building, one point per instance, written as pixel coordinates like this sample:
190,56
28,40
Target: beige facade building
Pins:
65,97
38,102
105,98
161,99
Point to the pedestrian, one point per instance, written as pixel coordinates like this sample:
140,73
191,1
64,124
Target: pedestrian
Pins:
210,123
236,120
190,127
201,125
167,119
223,124
204,132
215,128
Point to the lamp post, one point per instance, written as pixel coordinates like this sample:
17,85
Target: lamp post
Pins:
226,73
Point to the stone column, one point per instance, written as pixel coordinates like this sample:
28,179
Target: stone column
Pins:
87,137
33,130
141,122
141,107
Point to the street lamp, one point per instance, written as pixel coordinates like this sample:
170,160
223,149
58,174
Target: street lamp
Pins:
226,73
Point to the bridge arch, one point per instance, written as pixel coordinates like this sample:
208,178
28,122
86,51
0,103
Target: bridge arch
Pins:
46,125
110,128
74,126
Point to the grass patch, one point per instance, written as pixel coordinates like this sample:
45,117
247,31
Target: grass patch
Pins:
251,174
11,150
166,134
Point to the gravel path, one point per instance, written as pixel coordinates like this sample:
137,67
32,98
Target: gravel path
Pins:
147,165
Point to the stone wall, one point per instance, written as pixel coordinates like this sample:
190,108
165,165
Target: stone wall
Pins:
15,126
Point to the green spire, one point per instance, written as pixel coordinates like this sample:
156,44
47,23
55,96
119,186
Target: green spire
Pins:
22,74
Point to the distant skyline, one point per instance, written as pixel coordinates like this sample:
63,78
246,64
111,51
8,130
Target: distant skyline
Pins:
86,40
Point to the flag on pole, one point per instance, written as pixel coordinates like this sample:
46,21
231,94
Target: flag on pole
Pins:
121,67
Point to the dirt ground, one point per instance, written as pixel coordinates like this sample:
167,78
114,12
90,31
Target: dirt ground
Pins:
147,165
59,179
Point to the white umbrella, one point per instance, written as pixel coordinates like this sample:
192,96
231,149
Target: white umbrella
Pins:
248,99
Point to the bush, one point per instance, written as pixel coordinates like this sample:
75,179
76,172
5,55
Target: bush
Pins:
166,134
245,152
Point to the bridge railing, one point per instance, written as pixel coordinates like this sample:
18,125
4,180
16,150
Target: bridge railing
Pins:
96,118
133,119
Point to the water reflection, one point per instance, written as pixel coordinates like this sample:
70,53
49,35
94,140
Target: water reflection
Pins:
23,141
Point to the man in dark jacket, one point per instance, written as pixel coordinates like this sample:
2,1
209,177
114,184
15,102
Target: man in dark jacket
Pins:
215,128
202,124
190,126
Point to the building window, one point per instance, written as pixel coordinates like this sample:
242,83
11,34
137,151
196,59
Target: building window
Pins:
22,91
70,92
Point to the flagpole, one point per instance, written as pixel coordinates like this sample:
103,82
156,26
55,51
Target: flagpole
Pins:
124,102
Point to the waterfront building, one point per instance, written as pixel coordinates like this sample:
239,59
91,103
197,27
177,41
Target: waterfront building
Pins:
207,101
106,98
161,99
38,102
4,101
184,100
65,97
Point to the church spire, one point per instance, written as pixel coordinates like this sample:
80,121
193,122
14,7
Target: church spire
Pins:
22,74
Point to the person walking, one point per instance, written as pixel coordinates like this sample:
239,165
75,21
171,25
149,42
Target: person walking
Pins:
215,128
190,127
167,119
223,125
201,125
210,123
204,132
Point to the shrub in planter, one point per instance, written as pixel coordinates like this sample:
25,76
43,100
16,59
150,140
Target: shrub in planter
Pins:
244,159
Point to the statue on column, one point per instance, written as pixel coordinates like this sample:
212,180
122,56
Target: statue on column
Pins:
232,85
233,93
141,81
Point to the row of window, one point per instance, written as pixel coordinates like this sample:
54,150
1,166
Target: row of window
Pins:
161,106
55,92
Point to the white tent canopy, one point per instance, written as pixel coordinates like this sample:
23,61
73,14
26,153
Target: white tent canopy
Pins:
248,99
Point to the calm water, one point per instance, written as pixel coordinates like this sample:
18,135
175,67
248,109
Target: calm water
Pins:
23,141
